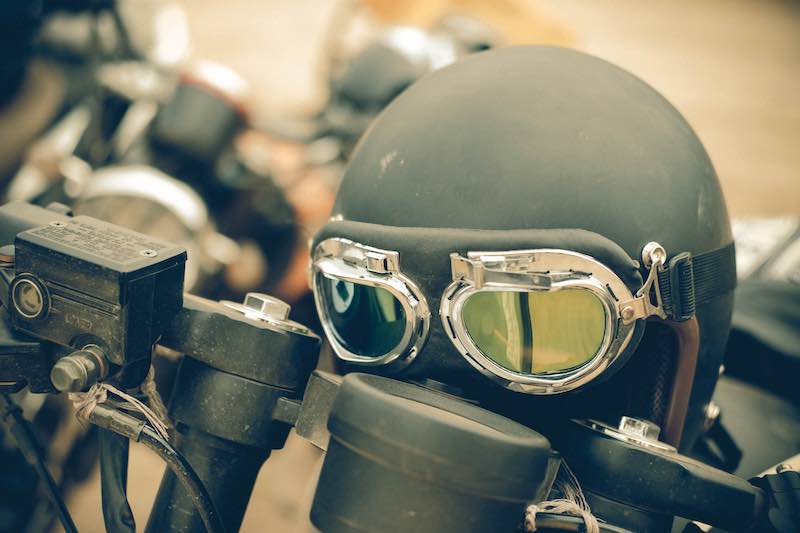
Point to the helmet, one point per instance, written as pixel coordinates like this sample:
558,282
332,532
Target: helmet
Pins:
385,67
542,230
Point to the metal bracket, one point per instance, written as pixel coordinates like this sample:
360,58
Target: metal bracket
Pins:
373,259
641,306
310,418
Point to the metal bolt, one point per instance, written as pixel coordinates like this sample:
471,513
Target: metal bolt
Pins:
627,313
652,253
783,467
267,305
639,428
79,370
148,253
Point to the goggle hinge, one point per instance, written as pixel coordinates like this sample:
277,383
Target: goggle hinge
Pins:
467,270
373,261
503,270
642,305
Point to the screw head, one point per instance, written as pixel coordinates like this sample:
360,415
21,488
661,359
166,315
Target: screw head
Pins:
148,253
783,467
267,305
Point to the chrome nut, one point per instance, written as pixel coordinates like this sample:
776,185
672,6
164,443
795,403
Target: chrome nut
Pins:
267,305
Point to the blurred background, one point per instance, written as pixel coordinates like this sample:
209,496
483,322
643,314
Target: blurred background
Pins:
244,113
731,67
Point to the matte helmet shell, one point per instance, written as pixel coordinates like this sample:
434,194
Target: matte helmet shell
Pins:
538,138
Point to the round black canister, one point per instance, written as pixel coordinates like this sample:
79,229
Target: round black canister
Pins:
405,458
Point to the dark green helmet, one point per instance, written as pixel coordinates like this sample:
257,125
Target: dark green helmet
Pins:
537,218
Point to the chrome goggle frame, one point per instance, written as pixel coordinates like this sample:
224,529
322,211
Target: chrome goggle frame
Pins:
542,270
346,260
517,271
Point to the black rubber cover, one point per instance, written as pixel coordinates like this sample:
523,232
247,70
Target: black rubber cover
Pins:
224,339
227,406
228,471
406,458
638,488
117,513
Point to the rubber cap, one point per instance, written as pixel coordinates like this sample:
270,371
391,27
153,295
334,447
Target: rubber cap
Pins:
406,458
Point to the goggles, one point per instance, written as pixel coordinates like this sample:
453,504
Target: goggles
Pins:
539,320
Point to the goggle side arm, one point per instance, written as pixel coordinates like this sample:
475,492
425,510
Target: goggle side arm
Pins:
642,306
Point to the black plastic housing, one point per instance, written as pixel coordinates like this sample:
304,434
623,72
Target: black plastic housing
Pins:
23,361
102,285
642,489
405,458
234,372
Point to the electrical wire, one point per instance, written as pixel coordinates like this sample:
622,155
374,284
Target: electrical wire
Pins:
188,478
29,445
547,522
108,417
117,513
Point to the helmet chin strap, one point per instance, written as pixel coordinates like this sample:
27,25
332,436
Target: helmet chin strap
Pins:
688,336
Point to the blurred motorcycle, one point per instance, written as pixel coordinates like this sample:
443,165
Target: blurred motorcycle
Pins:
162,142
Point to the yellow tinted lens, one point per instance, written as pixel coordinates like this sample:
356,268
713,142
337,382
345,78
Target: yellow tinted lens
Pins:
536,332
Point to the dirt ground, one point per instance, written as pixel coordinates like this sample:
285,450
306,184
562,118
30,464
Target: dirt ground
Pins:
732,68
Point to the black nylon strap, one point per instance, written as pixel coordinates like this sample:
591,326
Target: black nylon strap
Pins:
689,281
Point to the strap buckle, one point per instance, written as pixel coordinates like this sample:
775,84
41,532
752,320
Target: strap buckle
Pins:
679,299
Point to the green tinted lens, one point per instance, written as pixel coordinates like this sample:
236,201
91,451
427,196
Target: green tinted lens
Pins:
536,332
367,320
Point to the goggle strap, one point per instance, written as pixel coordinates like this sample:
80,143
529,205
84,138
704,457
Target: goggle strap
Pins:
689,281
